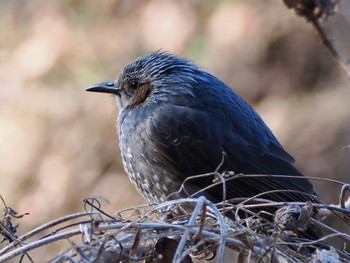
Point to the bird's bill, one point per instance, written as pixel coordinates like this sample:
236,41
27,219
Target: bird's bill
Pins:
105,87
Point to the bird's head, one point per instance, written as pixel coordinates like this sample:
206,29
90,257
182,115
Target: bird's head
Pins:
156,75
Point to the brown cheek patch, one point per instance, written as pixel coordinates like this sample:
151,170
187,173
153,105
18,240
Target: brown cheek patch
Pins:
140,95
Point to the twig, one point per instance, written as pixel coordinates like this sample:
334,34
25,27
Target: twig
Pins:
182,243
38,243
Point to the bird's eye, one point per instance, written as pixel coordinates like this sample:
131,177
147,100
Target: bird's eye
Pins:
133,84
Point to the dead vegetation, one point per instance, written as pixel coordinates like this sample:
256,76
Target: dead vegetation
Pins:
186,229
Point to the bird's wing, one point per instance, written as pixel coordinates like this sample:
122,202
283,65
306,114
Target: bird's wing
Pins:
191,142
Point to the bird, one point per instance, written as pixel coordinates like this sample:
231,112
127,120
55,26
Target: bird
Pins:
177,121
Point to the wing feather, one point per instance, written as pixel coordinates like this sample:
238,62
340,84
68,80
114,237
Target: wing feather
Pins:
195,145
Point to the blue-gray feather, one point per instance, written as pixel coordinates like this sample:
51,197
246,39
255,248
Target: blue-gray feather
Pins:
182,128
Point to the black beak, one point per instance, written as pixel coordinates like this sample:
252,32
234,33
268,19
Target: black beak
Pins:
105,87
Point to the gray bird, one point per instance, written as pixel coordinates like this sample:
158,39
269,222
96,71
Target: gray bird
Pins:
176,120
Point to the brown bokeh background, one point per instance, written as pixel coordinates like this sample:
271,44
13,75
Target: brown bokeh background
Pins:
58,143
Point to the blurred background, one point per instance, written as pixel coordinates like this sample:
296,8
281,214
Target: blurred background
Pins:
58,142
